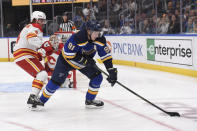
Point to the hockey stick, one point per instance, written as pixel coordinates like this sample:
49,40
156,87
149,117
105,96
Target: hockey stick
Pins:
169,113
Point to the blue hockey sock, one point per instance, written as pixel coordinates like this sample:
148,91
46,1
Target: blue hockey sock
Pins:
48,91
94,87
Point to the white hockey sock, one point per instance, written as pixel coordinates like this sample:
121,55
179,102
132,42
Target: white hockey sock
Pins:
35,91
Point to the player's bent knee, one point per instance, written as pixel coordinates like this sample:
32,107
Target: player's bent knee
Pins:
42,76
59,83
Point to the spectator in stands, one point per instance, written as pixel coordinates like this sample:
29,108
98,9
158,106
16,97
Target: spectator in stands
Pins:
177,13
10,31
94,11
191,13
53,26
147,5
91,11
122,20
170,7
195,25
126,29
190,26
85,19
86,11
102,9
160,7
154,24
151,13
163,25
177,4
107,28
145,27
22,24
174,27
132,5
115,6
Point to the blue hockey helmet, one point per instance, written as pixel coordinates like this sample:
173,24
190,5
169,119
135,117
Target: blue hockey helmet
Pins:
93,26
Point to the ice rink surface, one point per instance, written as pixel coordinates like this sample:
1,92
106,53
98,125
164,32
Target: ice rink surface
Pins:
123,111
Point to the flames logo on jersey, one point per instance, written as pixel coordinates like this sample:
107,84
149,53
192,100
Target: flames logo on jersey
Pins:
51,60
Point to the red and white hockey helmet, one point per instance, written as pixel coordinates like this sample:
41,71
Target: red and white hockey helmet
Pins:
54,41
38,15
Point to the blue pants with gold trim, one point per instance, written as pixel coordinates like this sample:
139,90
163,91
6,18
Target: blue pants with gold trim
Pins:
60,74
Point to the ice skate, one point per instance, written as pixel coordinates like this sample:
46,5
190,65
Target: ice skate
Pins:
94,104
34,103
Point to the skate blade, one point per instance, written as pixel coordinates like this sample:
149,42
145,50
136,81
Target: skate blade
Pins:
93,107
38,108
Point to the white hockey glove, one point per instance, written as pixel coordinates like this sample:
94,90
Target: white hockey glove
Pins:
42,52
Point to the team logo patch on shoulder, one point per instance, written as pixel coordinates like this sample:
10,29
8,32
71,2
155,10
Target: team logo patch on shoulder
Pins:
107,50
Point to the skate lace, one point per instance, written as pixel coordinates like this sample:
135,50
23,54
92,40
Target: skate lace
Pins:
35,98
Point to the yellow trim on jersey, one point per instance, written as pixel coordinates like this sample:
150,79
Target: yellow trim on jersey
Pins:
99,43
67,56
31,63
107,58
24,49
76,67
93,92
30,35
45,95
23,54
82,44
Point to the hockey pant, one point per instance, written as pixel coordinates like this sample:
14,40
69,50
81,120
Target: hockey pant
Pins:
50,72
61,72
33,67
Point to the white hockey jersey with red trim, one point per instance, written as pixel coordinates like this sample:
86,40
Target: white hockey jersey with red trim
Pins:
28,41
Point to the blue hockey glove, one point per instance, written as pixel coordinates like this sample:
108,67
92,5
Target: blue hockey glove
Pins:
112,78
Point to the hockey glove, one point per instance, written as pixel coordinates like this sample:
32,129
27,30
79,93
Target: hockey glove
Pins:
42,52
86,61
90,62
112,78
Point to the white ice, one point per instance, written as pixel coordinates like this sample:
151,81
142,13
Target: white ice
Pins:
123,111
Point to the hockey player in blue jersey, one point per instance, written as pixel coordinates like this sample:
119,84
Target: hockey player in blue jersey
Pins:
78,53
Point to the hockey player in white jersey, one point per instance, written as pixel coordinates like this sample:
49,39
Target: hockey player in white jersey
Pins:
26,53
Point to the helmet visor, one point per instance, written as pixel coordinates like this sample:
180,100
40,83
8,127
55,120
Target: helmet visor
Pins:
42,21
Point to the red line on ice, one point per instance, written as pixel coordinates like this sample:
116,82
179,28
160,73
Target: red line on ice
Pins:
138,114
19,125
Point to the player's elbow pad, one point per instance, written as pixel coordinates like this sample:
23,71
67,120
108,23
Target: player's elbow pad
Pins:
35,41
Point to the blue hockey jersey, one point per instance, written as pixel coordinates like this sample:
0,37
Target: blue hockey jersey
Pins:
78,44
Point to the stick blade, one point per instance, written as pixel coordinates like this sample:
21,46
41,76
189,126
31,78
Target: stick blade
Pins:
174,114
